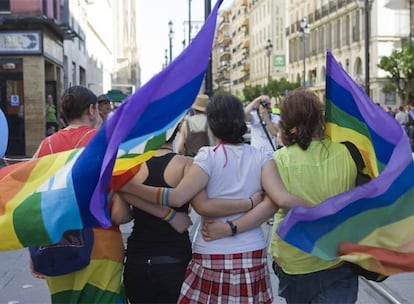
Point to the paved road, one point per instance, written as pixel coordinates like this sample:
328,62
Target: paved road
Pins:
17,286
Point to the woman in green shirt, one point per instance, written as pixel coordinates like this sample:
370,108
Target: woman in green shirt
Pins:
313,168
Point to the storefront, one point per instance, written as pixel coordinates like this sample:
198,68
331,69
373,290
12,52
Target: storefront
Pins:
30,69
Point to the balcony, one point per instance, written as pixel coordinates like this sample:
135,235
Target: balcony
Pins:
246,44
224,20
246,67
224,38
225,54
224,65
245,22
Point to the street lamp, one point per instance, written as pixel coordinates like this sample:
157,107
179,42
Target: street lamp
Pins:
189,21
304,31
170,36
208,80
366,5
166,58
269,49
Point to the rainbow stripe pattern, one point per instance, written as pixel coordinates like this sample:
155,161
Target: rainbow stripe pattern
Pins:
371,225
42,198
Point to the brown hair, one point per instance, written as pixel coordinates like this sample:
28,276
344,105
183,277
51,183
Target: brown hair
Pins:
75,100
301,118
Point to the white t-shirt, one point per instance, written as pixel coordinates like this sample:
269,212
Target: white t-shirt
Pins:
258,137
239,178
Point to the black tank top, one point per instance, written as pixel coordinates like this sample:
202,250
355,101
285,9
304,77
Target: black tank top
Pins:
151,236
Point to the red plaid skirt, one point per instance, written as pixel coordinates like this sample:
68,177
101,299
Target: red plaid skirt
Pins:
227,278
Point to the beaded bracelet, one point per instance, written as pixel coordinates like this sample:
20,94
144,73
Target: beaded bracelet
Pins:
169,215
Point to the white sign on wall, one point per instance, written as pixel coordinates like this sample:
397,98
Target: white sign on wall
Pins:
14,100
29,42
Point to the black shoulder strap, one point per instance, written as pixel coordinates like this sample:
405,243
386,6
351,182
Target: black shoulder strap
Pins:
262,122
355,155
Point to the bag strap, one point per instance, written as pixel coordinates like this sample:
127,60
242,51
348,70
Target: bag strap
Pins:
356,156
263,124
82,138
77,144
49,144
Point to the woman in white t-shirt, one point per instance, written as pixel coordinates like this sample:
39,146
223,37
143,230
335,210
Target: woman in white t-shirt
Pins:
232,269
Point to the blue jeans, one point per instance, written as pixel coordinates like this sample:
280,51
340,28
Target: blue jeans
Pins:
335,285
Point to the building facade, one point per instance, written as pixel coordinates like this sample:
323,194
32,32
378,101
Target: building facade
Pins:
298,52
31,66
47,46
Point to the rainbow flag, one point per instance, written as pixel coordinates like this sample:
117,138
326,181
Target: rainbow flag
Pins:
42,198
371,225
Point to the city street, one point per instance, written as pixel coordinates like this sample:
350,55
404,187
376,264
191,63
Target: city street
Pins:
17,286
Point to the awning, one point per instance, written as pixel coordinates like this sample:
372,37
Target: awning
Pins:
116,95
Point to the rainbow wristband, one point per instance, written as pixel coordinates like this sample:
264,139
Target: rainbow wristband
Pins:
162,196
170,215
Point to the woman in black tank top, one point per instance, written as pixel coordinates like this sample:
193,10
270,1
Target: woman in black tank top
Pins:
157,255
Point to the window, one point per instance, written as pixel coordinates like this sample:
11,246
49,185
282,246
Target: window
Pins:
5,5
82,76
356,27
74,73
347,30
338,34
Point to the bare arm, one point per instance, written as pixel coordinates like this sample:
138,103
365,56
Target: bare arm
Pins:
222,207
180,221
181,138
193,182
214,229
270,125
250,107
121,212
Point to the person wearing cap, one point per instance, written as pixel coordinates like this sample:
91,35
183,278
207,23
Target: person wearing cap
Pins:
196,123
104,106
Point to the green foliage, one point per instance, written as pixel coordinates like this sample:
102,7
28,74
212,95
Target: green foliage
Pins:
400,68
274,88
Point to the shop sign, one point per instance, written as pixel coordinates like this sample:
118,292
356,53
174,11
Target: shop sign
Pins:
28,42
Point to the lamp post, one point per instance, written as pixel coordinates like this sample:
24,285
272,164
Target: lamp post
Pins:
189,21
208,80
366,5
269,49
170,36
411,4
304,31
166,58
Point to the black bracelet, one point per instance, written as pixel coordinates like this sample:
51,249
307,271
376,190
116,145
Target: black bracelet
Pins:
232,227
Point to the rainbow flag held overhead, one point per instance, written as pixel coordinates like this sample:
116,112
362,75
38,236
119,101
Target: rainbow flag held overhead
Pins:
371,225
42,198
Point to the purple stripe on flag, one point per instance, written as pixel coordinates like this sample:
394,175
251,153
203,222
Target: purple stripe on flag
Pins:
170,80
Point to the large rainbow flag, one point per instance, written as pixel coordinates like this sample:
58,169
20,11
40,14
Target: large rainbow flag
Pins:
42,198
371,225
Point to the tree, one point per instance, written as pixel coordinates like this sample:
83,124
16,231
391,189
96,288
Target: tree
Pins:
274,88
400,67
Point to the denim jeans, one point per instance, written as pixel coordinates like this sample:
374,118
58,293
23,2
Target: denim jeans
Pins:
336,285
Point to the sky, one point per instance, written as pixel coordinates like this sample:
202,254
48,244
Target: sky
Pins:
153,17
